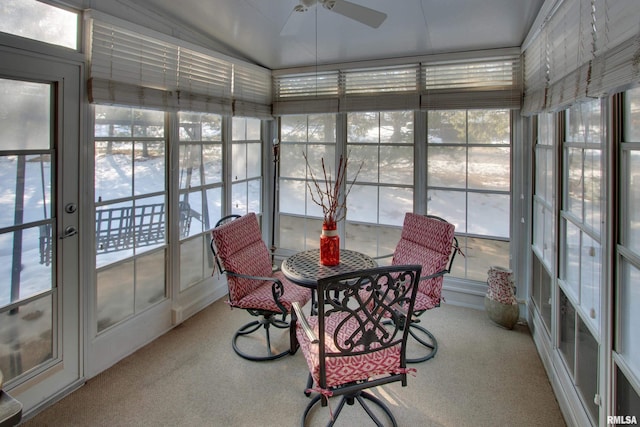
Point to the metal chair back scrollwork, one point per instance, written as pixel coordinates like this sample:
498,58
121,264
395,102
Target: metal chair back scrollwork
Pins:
348,345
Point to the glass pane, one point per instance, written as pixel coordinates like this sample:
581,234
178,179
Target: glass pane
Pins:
147,123
292,163
149,167
627,399
632,115
253,129
150,223
238,162
549,238
239,200
367,156
583,122
191,213
316,153
396,127
489,214
212,208
538,225
292,196
541,173
29,330
571,273
632,196
192,258
293,232
25,189
394,204
212,154
39,21
27,124
592,184
489,168
489,127
190,165
575,180
23,263
239,129
363,127
450,205
322,128
113,170
482,254
447,166
362,204
254,159
629,301
587,369
567,332
150,279
448,126
549,172
293,128
590,279
200,127
366,238
254,195
396,165
114,233
115,291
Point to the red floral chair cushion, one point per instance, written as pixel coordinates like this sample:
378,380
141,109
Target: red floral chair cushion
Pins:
345,369
428,242
241,250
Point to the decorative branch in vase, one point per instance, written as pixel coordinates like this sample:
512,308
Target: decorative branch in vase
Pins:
327,195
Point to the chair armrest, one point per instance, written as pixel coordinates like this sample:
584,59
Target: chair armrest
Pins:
304,322
382,256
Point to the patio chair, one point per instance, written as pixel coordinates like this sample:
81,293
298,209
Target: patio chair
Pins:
254,285
429,241
347,346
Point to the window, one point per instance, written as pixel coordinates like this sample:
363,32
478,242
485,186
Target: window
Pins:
200,199
300,218
468,180
246,166
580,272
383,192
39,21
627,345
582,174
130,209
544,219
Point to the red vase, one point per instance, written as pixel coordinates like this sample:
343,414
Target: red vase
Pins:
329,245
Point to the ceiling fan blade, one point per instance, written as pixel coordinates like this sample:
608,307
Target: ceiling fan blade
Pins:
362,14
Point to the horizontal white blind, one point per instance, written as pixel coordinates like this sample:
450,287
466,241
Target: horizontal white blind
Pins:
490,81
587,48
131,65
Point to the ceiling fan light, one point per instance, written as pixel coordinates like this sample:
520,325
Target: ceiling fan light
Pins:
308,3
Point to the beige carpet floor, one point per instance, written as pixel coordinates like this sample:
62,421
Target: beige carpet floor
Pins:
482,375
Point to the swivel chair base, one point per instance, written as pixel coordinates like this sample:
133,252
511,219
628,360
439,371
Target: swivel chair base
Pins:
350,399
265,321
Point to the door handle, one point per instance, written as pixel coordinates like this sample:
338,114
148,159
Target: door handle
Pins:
69,231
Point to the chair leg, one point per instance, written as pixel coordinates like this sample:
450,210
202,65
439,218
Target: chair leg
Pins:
426,338
265,322
350,399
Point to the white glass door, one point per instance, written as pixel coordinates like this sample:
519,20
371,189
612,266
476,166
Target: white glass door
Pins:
39,237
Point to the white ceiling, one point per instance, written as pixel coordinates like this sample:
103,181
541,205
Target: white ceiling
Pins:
263,31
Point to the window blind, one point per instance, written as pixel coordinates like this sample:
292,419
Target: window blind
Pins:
132,65
585,49
486,82
481,79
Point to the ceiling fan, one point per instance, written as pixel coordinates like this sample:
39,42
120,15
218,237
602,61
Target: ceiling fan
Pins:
362,14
